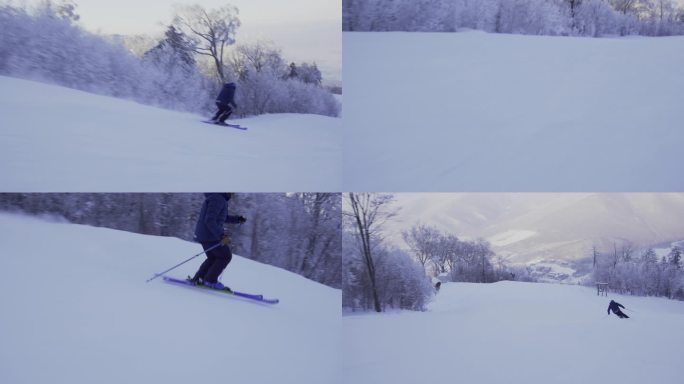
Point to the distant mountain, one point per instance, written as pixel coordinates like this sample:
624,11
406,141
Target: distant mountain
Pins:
529,228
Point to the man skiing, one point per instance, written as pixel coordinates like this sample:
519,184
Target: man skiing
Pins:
615,307
225,102
209,233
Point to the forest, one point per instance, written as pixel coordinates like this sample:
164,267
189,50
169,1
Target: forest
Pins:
182,70
298,232
380,276
632,270
594,18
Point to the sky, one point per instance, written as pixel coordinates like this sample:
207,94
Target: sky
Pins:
457,212
305,30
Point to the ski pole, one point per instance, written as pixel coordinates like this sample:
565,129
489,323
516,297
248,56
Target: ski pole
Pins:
179,264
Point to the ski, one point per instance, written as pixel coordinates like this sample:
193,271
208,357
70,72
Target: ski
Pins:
259,298
236,126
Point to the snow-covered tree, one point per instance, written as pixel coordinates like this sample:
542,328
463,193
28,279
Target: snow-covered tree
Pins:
63,9
675,257
536,17
297,232
470,261
174,42
265,84
40,43
424,242
367,213
401,281
257,58
322,243
307,73
210,31
643,275
595,18
174,73
625,6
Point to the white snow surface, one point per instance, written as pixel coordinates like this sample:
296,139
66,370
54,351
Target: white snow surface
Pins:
56,139
76,309
512,332
511,236
492,112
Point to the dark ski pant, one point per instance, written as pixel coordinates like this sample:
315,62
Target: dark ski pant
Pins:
217,260
224,111
621,314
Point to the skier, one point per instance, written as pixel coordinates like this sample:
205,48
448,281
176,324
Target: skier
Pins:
209,232
615,307
438,286
225,102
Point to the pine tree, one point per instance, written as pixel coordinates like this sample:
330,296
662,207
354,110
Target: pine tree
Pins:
675,257
174,43
293,71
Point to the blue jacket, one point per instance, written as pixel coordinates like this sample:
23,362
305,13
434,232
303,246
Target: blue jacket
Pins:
213,215
227,94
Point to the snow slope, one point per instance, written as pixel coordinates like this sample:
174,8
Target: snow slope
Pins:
75,308
512,332
59,139
492,112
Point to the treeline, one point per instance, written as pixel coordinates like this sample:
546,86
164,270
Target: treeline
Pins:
398,281
46,43
377,276
530,17
298,232
629,270
459,260
267,84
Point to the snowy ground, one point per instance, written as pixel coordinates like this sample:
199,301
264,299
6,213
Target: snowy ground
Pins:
75,308
492,112
58,139
513,332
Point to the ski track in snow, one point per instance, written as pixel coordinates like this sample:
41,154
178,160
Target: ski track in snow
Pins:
55,139
75,308
492,112
512,332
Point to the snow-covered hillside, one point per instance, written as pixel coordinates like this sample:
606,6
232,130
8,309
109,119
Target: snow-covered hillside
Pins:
512,332
59,139
76,309
492,112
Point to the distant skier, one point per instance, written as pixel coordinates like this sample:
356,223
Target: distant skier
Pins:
438,285
615,307
225,102
209,232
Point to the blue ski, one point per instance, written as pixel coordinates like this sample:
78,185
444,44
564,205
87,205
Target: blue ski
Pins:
259,298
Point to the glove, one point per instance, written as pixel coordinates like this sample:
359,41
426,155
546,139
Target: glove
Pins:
225,240
241,219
